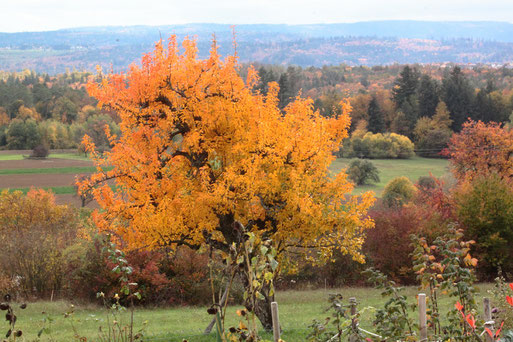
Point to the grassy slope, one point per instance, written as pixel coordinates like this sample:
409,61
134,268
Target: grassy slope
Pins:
297,310
57,190
11,157
391,168
56,170
18,156
68,156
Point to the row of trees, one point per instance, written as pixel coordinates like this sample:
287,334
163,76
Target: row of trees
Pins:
22,134
477,198
423,103
52,110
51,250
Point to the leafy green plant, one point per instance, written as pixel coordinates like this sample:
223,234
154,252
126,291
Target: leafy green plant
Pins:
254,259
392,321
446,266
117,330
46,326
398,191
502,311
339,326
362,171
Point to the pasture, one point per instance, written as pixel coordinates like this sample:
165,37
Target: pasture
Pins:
390,168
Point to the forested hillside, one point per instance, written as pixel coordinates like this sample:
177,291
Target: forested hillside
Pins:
365,43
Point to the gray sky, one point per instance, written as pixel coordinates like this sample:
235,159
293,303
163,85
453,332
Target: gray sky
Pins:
39,15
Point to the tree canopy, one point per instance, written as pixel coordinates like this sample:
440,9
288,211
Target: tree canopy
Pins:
201,150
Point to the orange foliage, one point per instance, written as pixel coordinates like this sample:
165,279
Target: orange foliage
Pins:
200,150
481,149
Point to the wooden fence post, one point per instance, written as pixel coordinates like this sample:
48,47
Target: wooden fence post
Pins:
354,321
352,303
276,321
488,319
422,317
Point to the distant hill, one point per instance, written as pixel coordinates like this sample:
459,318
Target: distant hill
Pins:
369,43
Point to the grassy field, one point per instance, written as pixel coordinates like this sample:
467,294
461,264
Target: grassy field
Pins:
73,156
390,168
11,157
57,190
59,170
297,310
18,156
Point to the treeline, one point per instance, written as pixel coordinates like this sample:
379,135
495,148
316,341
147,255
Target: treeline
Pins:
55,111
427,104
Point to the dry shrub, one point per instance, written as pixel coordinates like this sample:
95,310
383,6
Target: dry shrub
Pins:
34,231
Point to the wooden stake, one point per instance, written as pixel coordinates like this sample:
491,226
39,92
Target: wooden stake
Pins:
422,317
276,321
488,319
354,321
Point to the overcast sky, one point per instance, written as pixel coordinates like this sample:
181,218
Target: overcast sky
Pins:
42,15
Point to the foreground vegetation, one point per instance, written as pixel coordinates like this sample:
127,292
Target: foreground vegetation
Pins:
297,311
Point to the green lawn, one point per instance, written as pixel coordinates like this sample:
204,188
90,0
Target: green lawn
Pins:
390,168
11,157
56,170
18,156
297,310
57,190
74,156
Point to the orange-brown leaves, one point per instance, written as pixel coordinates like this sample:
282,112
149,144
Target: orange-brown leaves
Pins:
481,149
200,149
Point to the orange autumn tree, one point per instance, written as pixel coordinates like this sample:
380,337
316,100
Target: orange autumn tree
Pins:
481,149
200,151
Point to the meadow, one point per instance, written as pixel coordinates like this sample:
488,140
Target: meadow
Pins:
297,310
390,168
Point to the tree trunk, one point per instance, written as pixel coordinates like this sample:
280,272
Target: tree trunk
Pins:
262,306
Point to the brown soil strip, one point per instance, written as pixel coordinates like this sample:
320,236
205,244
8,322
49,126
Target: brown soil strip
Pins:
73,200
36,180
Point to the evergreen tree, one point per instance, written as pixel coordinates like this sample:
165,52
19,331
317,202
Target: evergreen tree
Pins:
376,119
489,105
410,109
459,96
266,75
482,106
405,86
289,85
428,96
